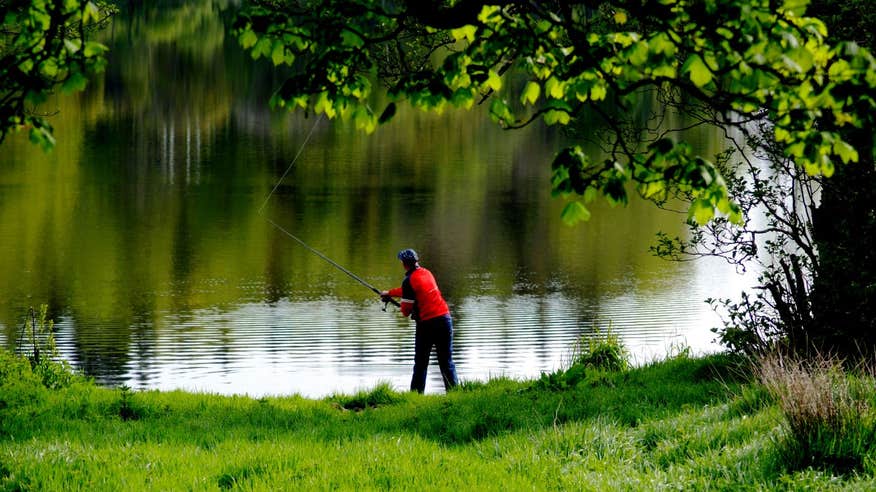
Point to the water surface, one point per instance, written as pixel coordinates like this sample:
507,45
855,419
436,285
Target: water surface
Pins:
145,232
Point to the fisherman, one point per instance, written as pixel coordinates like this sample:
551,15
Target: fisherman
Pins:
422,301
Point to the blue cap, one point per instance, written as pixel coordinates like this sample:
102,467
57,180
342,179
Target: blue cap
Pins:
408,256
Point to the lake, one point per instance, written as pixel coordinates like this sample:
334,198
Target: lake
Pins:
147,232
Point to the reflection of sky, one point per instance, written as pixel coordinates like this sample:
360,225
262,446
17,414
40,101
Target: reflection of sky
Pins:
316,348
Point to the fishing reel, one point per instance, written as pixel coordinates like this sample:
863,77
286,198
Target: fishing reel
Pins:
386,301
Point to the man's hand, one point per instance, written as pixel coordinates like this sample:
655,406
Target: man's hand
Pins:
384,296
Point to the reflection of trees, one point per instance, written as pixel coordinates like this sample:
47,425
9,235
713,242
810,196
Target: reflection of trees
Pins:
149,204
171,68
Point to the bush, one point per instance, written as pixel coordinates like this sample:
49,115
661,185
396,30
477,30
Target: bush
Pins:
605,353
831,423
592,356
42,351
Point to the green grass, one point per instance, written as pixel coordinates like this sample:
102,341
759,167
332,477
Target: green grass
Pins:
681,424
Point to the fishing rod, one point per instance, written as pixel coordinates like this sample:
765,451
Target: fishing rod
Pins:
386,300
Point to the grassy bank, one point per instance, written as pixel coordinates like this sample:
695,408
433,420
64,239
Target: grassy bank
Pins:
689,424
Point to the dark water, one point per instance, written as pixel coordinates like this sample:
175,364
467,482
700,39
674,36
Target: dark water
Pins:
145,233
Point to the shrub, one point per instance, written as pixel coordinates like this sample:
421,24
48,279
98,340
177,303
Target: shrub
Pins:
831,423
602,352
592,356
42,351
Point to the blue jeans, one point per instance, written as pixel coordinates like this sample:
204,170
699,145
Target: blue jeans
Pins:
438,332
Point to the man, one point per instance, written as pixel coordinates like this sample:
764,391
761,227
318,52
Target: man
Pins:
422,301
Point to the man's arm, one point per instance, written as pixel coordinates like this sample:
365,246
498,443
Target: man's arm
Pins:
407,305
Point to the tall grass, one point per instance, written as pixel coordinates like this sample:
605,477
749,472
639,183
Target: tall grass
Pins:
601,351
831,421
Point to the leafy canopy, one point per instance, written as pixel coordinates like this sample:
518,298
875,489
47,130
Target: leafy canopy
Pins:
749,59
43,45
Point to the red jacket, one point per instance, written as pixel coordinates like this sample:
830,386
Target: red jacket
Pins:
420,297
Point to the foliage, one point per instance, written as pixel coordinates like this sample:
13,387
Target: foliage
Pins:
44,44
126,407
750,327
602,352
807,236
795,104
748,60
41,351
829,414
593,355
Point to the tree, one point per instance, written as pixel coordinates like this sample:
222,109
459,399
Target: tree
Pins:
844,288
43,45
762,70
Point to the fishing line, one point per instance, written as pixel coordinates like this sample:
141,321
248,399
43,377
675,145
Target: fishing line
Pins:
279,181
302,243
324,257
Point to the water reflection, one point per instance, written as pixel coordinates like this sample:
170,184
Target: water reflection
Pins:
143,233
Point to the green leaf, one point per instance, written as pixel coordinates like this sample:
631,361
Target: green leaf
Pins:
74,83
735,215
262,48
463,98
26,66
466,32
489,13
40,17
494,82
49,68
802,58
782,135
324,105
530,93
42,136
278,53
667,71
698,71
653,189
248,39
620,17
553,117
72,45
590,194
499,111
798,7
846,152
91,13
93,48
554,88
364,119
701,211
797,149
352,39
639,53
575,212
598,92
